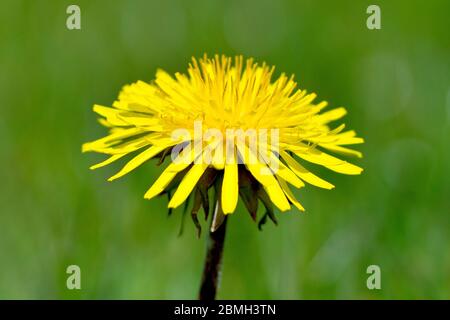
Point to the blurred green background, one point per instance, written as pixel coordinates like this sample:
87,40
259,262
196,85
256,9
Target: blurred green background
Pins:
54,211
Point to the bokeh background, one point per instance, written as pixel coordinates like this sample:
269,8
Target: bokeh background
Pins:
54,211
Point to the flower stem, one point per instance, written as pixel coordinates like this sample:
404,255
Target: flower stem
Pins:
213,263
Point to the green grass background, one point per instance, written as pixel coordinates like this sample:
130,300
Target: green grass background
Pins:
54,211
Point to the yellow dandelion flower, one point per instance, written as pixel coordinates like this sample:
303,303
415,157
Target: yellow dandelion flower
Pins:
229,127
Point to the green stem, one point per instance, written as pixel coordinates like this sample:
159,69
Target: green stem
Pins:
213,263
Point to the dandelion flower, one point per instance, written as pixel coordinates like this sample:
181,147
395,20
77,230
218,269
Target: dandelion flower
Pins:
225,95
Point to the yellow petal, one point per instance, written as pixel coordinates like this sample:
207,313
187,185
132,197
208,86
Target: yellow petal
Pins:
126,147
110,139
264,175
138,160
260,171
331,115
139,120
164,179
348,137
230,188
342,150
111,115
330,162
277,196
218,160
290,195
107,161
305,174
182,162
187,184
285,173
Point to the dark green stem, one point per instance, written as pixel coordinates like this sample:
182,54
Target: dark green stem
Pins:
213,263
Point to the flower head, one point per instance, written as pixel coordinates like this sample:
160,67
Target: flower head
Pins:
228,127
